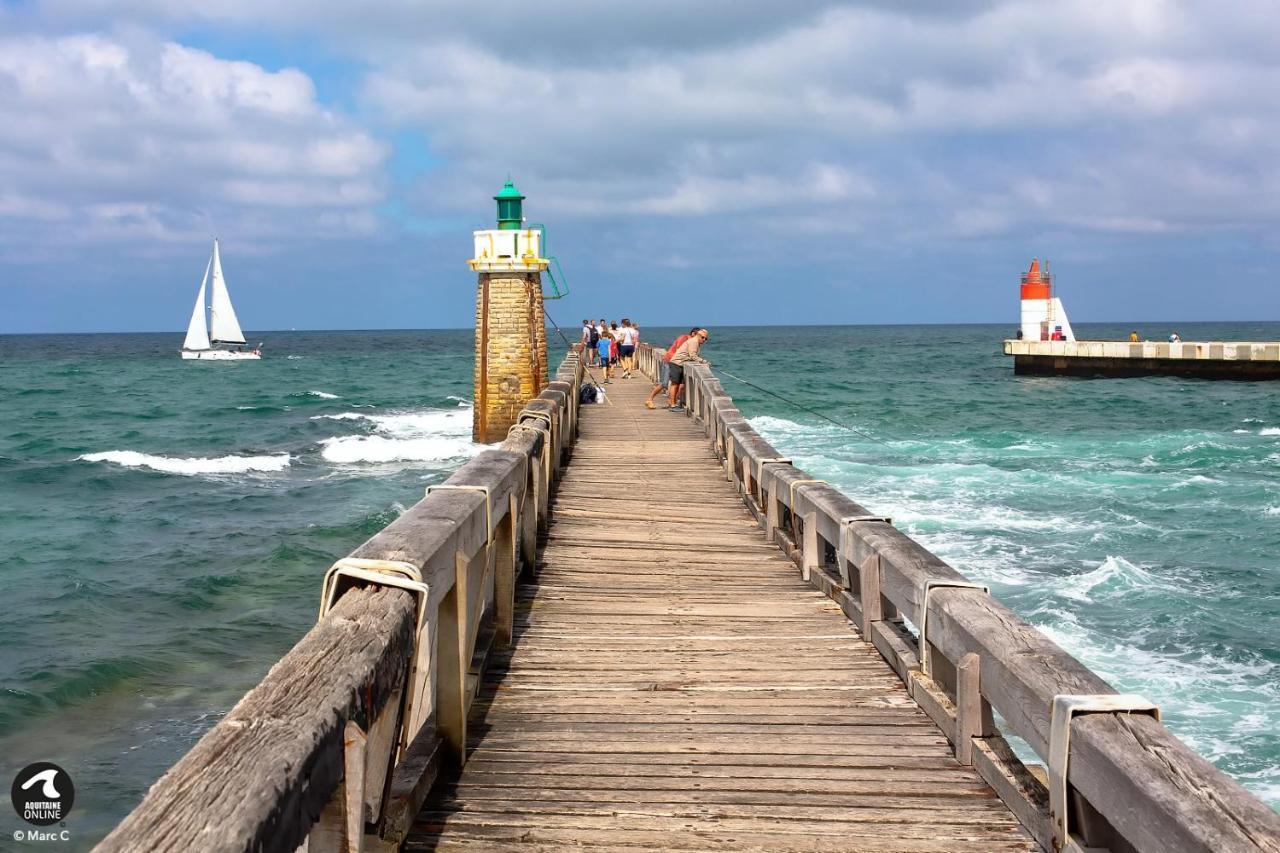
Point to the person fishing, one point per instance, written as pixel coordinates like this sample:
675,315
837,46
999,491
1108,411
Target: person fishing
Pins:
664,369
687,353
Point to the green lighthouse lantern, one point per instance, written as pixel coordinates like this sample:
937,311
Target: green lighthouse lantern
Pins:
510,216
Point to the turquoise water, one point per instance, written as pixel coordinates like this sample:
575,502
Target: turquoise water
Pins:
166,524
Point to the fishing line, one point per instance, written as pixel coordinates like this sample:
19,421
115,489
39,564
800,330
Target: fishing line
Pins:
568,344
805,408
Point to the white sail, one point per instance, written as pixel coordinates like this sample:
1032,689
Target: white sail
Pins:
223,323
197,331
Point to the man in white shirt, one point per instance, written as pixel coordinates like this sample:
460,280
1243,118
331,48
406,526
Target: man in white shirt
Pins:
627,348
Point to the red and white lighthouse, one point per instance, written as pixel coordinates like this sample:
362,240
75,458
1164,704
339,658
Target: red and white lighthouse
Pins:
1043,317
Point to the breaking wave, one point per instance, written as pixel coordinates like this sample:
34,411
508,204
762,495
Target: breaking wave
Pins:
191,466
434,435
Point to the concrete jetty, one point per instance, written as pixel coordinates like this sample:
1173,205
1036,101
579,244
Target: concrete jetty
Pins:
1046,345
1196,359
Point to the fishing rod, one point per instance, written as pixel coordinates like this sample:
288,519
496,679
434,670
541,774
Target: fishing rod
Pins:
805,408
569,344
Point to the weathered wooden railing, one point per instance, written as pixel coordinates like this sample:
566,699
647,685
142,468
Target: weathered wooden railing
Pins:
338,745
1122,780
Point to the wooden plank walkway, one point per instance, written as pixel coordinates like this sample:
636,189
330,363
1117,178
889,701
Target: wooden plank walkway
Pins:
675,685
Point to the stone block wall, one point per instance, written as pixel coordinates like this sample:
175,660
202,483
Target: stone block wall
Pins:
511,350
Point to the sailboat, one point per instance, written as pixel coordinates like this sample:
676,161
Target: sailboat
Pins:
220,339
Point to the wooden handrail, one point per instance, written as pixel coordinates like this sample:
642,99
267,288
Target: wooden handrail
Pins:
1133,784
341,740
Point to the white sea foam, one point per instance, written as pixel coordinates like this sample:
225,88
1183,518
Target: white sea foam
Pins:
323,395
1038,532
1193,480
433,435
191,466
1200,692
765,423
1115,576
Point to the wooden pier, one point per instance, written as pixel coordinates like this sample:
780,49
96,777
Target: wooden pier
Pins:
631,629
674,683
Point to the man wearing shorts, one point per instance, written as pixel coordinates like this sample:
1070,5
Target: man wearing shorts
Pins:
664,368
685,354
593,342
626,347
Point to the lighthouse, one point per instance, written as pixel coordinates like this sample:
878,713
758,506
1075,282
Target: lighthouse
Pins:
511,335
1043,317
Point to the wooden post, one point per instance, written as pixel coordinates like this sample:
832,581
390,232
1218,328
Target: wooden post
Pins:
973,713
869,581
380,756
810,556
452,665
504,577
541,487
844,566
353,753
771,515
529,529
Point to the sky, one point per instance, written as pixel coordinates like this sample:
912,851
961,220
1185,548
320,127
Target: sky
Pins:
713,162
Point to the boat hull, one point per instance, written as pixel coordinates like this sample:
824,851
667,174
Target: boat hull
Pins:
219,355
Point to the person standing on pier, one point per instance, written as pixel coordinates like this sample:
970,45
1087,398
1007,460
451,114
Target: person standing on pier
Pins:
586,340
626,347
687,353
664,369
601,328
604,344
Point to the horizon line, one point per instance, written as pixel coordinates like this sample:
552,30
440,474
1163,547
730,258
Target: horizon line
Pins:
652,325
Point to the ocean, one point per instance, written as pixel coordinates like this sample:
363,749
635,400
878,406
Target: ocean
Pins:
166,524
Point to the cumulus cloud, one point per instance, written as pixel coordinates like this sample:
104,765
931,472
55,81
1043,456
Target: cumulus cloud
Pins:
833,126
935,118
148,140
1126,116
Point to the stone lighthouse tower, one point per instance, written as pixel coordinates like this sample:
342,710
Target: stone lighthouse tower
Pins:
511,335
